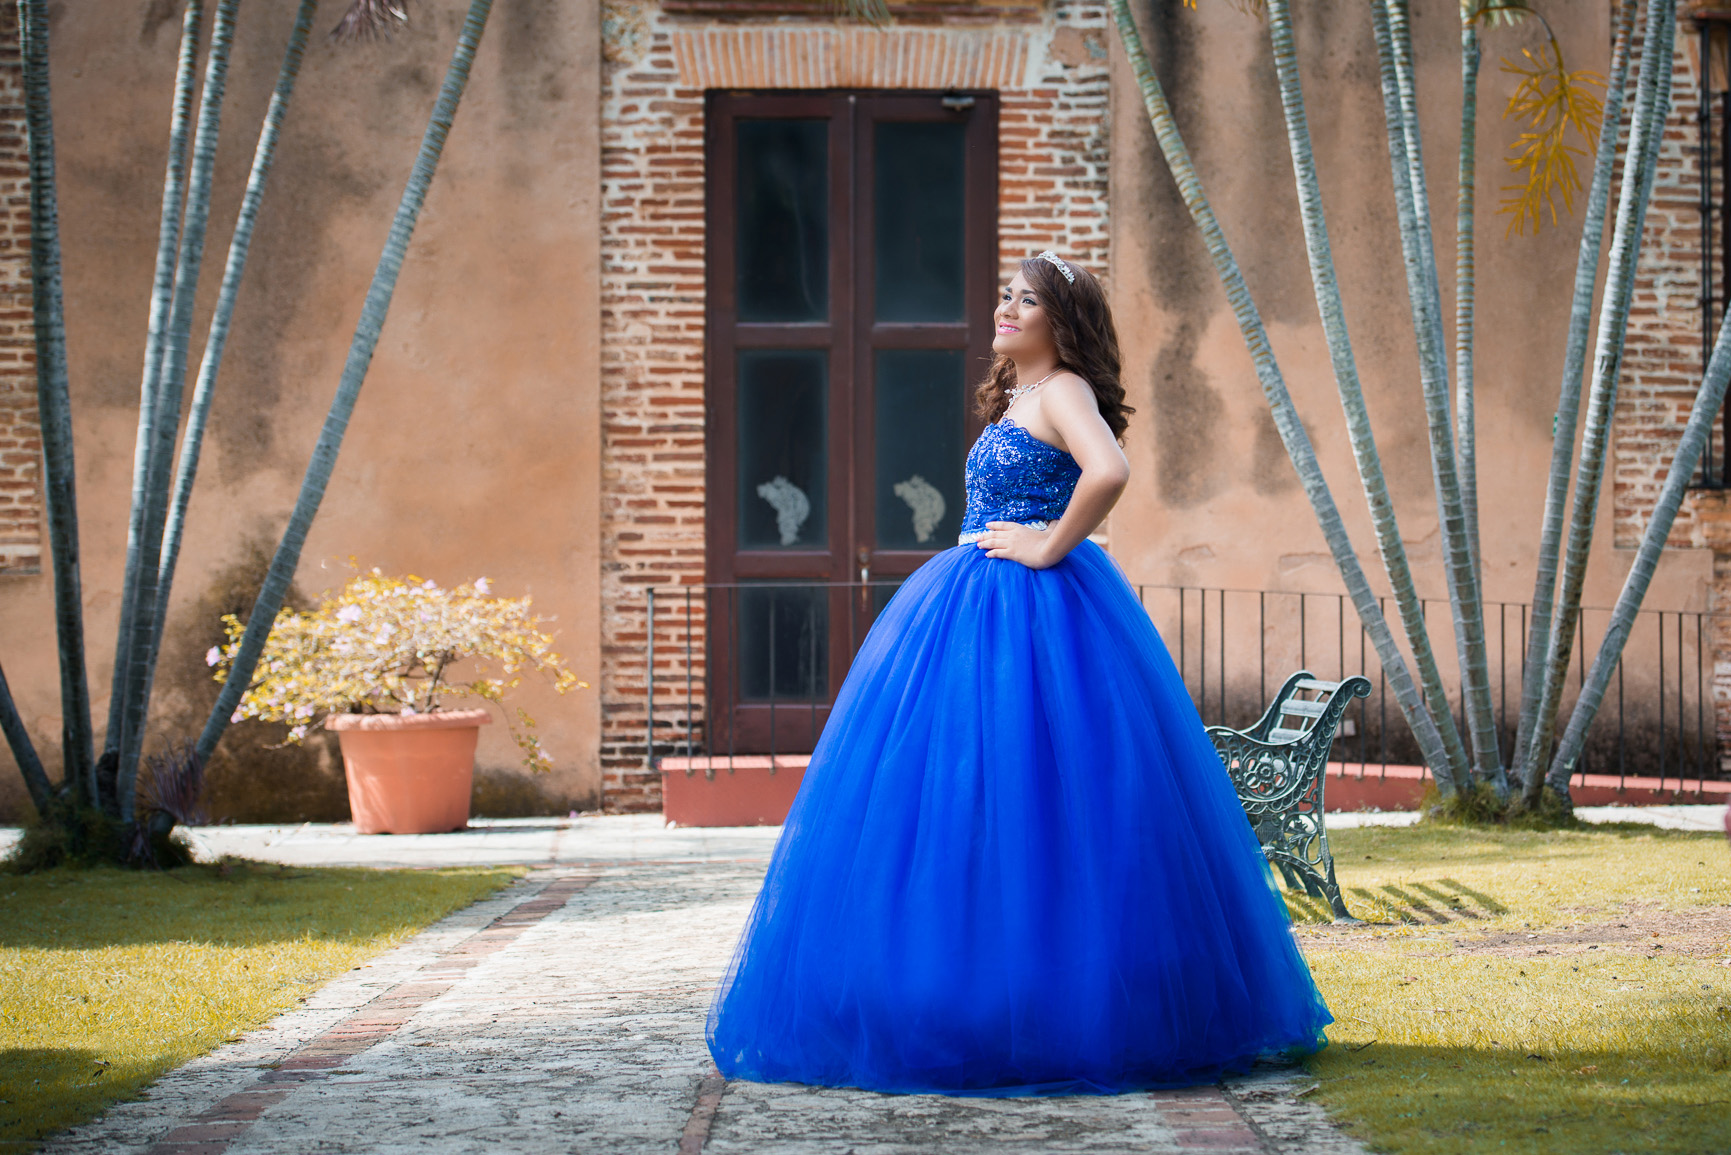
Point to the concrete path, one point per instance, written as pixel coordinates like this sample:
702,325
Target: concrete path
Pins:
566,1014
593,838
1666,817
587,839
1671,817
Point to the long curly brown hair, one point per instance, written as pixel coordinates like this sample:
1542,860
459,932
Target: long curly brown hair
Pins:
1087,343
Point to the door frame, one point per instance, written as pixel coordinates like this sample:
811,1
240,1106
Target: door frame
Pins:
794,725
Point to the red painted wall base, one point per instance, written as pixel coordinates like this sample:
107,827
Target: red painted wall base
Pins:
711,792
1402,787
740,791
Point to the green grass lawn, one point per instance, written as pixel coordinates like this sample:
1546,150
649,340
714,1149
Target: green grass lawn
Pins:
110,977
1528,992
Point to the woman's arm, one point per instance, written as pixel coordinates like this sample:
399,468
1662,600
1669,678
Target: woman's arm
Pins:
1068,407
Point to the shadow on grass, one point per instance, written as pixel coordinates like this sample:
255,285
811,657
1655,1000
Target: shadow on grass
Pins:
1428,1100
1437,903
1305,910
1490,905
240,904
231,904
1417,903
42,1089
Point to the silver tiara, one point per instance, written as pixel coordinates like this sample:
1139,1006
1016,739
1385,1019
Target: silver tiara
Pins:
1049,255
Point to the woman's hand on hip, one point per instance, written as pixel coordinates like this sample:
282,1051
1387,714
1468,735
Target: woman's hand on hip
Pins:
1023,543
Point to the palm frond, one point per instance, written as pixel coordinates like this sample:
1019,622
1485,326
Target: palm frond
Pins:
873,12
1248,7
1491,13
173,784
371,20
1556,104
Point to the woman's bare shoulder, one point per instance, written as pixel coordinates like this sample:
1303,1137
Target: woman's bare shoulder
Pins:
1070,390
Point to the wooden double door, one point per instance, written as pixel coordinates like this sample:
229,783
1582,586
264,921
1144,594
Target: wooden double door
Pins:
851,276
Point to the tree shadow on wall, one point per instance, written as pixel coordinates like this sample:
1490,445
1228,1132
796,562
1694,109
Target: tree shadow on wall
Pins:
253,776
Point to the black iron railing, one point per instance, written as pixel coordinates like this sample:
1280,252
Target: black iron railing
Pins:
1658,718
1232,648
769,656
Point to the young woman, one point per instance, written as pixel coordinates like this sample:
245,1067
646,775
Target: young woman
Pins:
1016,865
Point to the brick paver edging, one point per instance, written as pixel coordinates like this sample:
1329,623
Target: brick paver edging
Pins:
696,1133
211,1131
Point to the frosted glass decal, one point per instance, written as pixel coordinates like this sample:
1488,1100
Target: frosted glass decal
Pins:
791,506
925,503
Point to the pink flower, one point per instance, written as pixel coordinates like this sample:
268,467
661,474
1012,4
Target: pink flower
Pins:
213,655
483,588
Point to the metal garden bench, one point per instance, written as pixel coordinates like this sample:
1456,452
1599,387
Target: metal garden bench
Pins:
1278,767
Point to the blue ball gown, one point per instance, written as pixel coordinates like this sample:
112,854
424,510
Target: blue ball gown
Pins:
1016,865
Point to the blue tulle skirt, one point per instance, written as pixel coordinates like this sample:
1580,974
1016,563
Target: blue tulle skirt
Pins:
1016,865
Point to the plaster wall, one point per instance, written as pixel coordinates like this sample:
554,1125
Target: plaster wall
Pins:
474,448
1214,501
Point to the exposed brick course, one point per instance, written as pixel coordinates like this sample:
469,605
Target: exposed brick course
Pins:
20,434
901,11
1663,361
1052,194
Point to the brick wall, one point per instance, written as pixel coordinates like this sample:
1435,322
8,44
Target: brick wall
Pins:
1048,63
20,436
1662,359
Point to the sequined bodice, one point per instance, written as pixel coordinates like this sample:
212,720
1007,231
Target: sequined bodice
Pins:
1014,476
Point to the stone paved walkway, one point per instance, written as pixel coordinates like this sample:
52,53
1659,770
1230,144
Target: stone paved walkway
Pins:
565,1014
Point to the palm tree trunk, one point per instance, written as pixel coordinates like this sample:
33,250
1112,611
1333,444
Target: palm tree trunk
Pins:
1652,104
54,407
1569,395
1412,208
138,647
1286,419
372,320
1328,302
23,750
217,339
1466,176
1689,450
161,300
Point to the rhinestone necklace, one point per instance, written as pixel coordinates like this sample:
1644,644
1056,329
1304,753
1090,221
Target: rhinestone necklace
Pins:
1015,391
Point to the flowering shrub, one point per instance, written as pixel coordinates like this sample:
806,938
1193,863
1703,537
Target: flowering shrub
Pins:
386,645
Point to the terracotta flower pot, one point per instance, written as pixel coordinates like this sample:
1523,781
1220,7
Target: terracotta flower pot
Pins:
409,773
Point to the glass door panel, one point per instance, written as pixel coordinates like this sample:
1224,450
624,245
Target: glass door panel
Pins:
783,223
919,208
919,427
783,449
